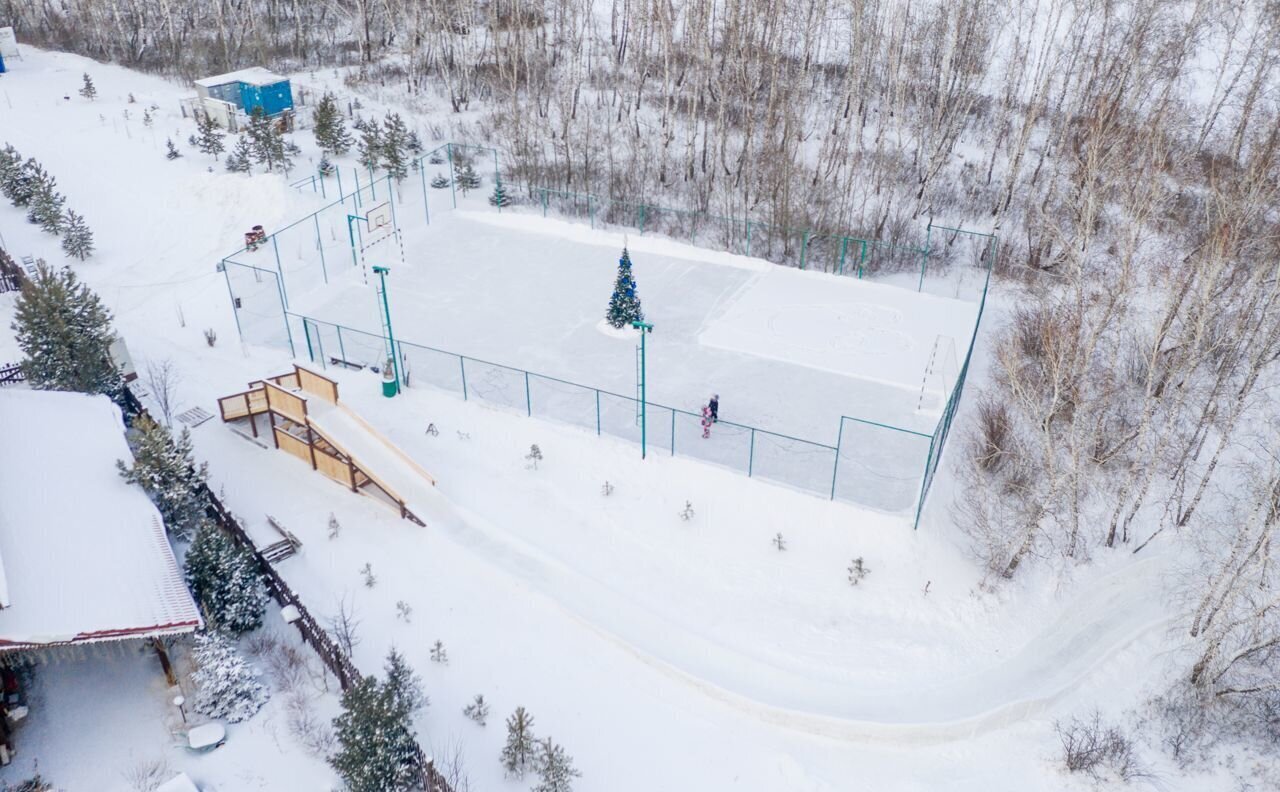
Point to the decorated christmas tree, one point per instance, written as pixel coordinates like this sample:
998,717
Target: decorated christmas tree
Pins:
624,305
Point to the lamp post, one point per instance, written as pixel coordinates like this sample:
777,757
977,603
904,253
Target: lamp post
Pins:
645,329
178,701
389,387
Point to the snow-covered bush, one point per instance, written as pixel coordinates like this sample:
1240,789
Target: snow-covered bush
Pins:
477,710
226,686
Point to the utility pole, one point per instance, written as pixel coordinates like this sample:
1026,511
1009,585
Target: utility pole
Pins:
645,329
389,387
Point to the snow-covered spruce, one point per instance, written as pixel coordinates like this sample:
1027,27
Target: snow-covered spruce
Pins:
45,207
467,179
377,751
499,197
167,472
173,152
88,90
369,146
477,710
209,137
518,752
439,182
555,768
226,686
624,303
395,146
266,143
240,158
225,580
65,333
329,127
77,239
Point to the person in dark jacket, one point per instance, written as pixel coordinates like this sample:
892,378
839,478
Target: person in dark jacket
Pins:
714,404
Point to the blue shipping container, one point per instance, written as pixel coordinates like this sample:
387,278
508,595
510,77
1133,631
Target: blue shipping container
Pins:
273,99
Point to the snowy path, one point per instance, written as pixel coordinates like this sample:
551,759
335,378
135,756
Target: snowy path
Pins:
1116,612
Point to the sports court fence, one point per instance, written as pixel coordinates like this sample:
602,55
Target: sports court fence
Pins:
873,464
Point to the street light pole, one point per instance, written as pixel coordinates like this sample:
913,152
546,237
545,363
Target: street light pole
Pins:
645,329
394,387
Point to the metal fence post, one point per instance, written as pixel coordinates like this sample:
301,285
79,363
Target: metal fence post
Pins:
751,455
528,400
356,173
462,363
276,247
342,196
835,467
673,433
748,237
323,194
543,190
324,270
422,177
453,174
373,185
642,218
591,212
235,312
342,350
804,247
597,411
924,255
862,260
844,247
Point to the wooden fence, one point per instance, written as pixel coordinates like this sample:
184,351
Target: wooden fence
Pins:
314,635
11,275
11,373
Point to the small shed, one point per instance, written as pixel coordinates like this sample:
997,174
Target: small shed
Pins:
247,89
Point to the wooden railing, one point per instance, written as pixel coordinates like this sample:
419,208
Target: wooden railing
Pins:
314,635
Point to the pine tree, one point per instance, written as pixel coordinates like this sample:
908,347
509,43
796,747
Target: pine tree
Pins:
369,146
466,178
439,182
147,120
238,160
77,240
226,686
208,136
499,198
376,751
167,471
403,686
173,152
10,168
555,768
64,331
325,168
395,143
225,580
26,181
89,91
624,305
518,753
267,144
330,127
46,205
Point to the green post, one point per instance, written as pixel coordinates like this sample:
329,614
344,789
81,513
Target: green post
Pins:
751,454
645,328
234,310
392,387
673,433
462,364
544,200
528,400
804,247
862,260
844,247
422,177
591,212
356,173
373,185
284,291
748,237
642,218
835,467
453,175
924,255
324,270
597,408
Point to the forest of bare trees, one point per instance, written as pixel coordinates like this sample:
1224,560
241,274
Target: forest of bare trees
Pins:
1125,151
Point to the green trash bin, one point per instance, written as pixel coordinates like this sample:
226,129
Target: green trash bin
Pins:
389,385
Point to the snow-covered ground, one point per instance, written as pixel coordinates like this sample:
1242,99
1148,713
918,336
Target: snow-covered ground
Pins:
662,653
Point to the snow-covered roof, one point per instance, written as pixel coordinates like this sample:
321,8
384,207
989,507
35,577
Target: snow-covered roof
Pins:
85,555
253,76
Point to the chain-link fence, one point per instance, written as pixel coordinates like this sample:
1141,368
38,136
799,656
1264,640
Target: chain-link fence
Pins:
872,464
